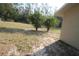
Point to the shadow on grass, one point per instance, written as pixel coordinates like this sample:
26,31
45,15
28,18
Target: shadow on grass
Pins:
27,32
58,48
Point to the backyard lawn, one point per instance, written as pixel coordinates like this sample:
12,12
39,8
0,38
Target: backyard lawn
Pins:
22,39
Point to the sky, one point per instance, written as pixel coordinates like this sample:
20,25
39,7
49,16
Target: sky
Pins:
56,6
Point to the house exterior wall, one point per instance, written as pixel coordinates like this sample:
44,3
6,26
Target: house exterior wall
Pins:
70,26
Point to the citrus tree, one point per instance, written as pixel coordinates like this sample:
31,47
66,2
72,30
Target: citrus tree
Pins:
50,22
36,19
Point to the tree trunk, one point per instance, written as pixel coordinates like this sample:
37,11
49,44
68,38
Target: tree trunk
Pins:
48,29
5,19
36,28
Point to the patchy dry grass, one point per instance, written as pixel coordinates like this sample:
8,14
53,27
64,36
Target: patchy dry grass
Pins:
15,33
23,36
22,41
14,25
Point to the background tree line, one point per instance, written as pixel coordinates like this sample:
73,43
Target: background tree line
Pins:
30,13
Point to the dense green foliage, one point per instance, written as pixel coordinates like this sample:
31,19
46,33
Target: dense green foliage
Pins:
50,22
6,11
37,19
11,12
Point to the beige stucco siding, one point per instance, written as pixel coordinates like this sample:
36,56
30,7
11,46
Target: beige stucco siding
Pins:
70,27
